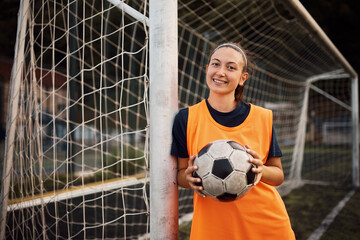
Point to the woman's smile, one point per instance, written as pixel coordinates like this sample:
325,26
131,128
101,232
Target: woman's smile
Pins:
219,81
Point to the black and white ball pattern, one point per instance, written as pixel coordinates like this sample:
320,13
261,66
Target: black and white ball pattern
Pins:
225,170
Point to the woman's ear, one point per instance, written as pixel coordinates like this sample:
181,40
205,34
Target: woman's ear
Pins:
243,78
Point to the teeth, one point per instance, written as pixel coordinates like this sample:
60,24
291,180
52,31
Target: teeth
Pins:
218,81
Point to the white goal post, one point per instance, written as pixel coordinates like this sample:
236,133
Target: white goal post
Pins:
163,106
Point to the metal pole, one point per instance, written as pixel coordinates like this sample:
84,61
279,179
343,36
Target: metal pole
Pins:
355,132
73,88
163,105
129,10
298,154
16,78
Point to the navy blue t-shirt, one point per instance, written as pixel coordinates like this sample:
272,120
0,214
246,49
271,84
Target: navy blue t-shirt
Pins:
228,119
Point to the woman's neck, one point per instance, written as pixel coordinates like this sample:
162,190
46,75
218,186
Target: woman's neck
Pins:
222,104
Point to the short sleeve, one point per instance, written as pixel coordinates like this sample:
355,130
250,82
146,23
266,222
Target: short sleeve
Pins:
274,150
179,138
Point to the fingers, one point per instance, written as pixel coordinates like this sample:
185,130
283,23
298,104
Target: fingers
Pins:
258,178
191,168
256,157
191,161
194,182
257,170
256,160
197,188
252,152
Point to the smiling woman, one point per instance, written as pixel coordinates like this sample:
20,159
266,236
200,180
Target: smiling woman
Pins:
224,115
226,76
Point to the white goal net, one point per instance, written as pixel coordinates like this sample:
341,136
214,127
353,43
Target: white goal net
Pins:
80,149
76,163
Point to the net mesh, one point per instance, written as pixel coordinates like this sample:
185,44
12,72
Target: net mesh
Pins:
80,165
81,146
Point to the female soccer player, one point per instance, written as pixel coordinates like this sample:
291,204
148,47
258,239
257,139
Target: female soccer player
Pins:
261,213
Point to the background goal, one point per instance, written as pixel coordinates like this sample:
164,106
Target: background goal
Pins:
77,151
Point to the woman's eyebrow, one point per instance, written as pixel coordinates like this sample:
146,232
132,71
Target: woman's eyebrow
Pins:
215,59
220,61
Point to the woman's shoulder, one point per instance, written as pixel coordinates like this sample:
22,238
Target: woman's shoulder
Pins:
183,112
260,108
181,117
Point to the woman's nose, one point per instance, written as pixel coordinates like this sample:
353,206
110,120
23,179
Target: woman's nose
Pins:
221,71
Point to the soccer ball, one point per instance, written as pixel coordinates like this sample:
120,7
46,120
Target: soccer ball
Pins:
225,170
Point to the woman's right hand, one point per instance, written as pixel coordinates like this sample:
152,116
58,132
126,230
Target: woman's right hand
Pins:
193,181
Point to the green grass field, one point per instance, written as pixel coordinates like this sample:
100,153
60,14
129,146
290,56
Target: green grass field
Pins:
309,205
346,225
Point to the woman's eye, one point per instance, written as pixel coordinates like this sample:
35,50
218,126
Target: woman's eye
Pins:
215,64
231,67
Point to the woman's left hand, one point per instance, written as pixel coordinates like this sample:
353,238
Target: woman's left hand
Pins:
257,161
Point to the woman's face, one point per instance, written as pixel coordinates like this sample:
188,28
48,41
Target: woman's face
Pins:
225,71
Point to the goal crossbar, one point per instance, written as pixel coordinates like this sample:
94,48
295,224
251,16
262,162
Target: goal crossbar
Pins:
131,11
74,192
